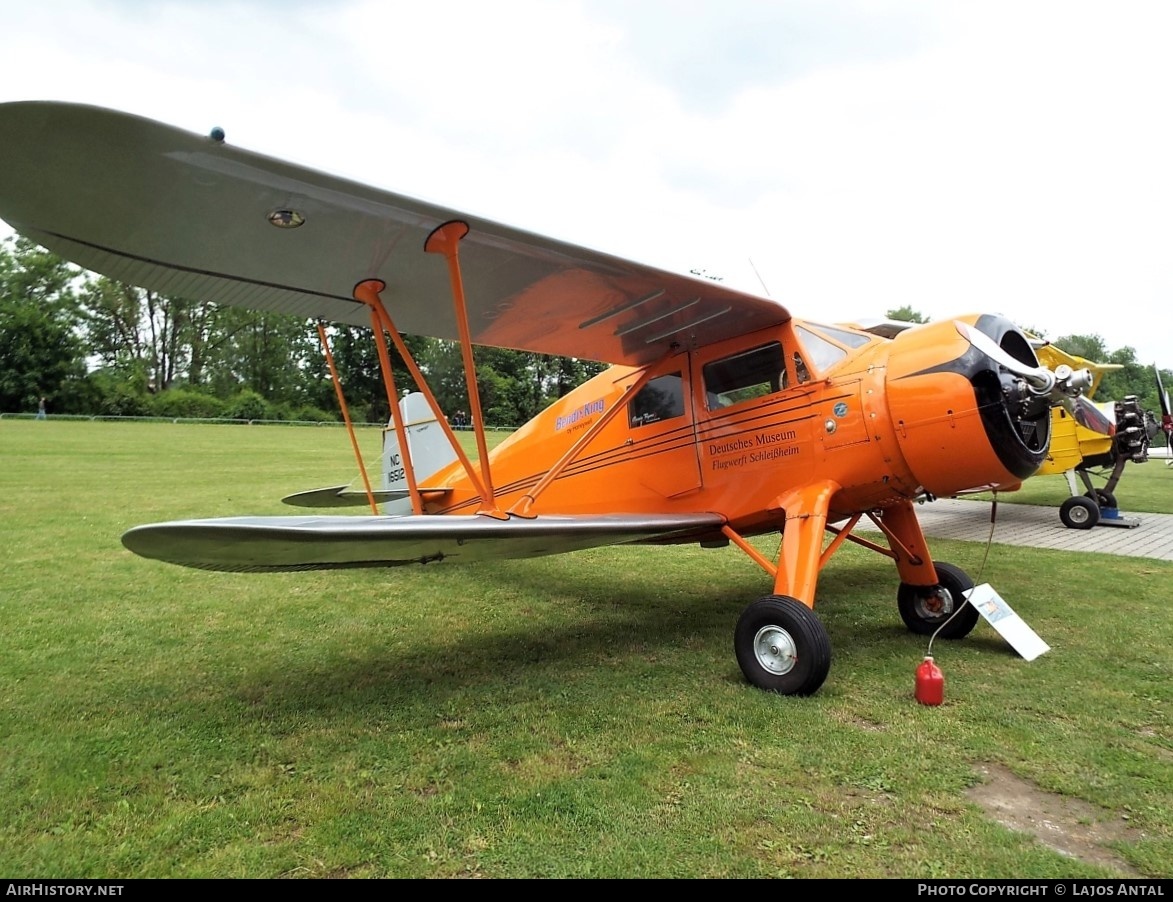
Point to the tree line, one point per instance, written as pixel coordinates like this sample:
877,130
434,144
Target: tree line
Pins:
94,346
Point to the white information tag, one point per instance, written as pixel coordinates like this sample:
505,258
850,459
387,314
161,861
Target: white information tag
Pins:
1010,626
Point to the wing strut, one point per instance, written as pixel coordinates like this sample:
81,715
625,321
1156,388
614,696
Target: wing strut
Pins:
445,239
417,504
525,503
346,416
369,293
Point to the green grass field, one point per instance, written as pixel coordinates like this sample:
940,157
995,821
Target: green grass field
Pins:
572,716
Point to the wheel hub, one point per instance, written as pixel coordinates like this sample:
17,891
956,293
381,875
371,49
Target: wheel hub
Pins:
1079,514
775,650
938,604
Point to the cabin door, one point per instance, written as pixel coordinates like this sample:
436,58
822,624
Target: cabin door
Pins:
662,431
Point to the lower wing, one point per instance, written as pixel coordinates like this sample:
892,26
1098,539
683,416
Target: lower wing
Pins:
266,544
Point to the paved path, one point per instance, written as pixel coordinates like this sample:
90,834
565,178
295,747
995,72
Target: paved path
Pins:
1040,527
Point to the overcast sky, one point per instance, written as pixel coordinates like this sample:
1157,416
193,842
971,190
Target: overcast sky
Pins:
845,157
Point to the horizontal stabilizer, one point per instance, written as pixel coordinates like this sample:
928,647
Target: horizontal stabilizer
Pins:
265,544
347,496
337,496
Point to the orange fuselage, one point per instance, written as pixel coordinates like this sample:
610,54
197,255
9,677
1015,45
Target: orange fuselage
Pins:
884,421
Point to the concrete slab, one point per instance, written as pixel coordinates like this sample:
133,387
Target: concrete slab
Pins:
1040,527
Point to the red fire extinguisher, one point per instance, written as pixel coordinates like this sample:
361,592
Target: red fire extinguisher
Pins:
930,683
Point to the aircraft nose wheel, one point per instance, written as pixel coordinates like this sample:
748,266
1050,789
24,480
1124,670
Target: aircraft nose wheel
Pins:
782,646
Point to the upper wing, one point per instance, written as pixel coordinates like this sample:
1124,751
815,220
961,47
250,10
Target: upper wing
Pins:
189,216
257,544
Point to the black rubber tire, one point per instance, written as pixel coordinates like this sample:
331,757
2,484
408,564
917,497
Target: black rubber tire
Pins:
1079,512
924,611
782,646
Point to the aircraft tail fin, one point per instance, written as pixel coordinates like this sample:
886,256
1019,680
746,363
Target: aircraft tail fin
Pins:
429,448
430,452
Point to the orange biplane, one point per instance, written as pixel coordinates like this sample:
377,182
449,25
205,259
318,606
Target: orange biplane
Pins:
721,418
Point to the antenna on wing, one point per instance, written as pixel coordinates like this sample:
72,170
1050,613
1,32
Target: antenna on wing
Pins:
760,279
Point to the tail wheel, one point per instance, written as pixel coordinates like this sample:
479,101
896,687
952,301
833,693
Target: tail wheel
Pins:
782,646
925,608
1079,512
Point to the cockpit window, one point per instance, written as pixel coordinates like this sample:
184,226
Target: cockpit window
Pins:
749,374
661,399
820,353
845,338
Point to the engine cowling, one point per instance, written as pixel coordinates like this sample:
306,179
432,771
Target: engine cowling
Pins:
970,403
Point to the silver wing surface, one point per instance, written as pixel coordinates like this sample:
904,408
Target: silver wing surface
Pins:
190,216
265,544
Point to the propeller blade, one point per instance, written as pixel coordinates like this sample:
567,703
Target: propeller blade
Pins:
1061,385
1162,394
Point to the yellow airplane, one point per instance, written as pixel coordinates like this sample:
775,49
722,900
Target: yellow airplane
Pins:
1086,435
